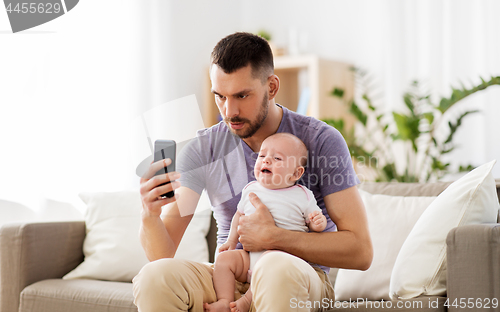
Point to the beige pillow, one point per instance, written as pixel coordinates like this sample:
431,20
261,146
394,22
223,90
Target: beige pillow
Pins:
390,219
420,267
112,249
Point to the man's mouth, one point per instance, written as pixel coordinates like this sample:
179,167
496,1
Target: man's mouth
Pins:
237,125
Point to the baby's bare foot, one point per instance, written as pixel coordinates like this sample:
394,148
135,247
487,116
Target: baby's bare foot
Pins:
218,306
242,304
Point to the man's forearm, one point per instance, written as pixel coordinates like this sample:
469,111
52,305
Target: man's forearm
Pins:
155,239
340,249
350,247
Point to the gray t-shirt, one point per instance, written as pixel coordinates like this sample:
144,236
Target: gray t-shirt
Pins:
222,163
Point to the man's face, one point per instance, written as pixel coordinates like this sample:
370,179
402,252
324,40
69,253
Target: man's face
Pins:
242,100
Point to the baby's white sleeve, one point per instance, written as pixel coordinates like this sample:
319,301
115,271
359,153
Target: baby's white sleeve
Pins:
241,204
243,200
312,205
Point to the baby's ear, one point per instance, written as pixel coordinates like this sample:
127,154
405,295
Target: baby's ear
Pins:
299,171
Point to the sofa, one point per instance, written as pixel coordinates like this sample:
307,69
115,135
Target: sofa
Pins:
35,256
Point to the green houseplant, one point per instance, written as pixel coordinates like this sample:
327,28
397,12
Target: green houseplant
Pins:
375,132
264,34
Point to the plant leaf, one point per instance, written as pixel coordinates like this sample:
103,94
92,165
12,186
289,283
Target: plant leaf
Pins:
429,116
362,117
446,151
409,103
390,172
338,124
458,95
337,92
407,128
467,168
454,126
438,165
369,102
401,123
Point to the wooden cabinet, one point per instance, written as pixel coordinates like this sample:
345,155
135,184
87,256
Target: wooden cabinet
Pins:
297,73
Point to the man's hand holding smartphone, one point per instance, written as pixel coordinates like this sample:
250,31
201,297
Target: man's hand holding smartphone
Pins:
157,187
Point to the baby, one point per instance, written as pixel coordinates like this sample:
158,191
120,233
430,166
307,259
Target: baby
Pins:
280,164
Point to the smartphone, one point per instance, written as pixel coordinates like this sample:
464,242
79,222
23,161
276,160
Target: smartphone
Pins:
165,149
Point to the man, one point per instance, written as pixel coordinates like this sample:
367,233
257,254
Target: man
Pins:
221,161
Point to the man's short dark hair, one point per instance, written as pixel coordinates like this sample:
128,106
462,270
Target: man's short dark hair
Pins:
240,49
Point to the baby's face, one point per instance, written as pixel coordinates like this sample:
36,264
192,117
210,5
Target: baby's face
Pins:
277,164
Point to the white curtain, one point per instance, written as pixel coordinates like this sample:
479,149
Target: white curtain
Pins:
66,101
443,44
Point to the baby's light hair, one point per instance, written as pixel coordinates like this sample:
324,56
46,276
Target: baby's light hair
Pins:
301,147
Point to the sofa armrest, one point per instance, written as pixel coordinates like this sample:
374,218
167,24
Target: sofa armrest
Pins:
33,252
473,264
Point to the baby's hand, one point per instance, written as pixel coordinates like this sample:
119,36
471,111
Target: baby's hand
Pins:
317,221
228,245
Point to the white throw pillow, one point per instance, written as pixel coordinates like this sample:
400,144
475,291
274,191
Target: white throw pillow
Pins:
420,267
53,210
112,249
12,212
390,220
193,245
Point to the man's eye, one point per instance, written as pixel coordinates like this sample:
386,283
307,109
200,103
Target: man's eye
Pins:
220,96
243,96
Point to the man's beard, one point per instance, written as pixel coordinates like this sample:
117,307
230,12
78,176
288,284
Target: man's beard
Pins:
259,121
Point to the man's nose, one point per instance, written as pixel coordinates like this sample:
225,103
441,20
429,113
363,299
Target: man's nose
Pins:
232,109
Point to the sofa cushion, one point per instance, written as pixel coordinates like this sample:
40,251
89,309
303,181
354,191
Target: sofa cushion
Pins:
112,248
400,189
404,189
390,220
57,295
420,267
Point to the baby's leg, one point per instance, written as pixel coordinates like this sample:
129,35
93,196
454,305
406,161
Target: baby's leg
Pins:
243,304
230,265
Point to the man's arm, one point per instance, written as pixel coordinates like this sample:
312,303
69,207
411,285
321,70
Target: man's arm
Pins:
350,247
161,237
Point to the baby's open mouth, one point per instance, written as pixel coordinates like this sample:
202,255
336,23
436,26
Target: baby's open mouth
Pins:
266,171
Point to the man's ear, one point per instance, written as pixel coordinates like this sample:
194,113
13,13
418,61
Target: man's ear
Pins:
299,171
274,86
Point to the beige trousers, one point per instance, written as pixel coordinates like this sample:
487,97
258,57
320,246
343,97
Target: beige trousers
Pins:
280,282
